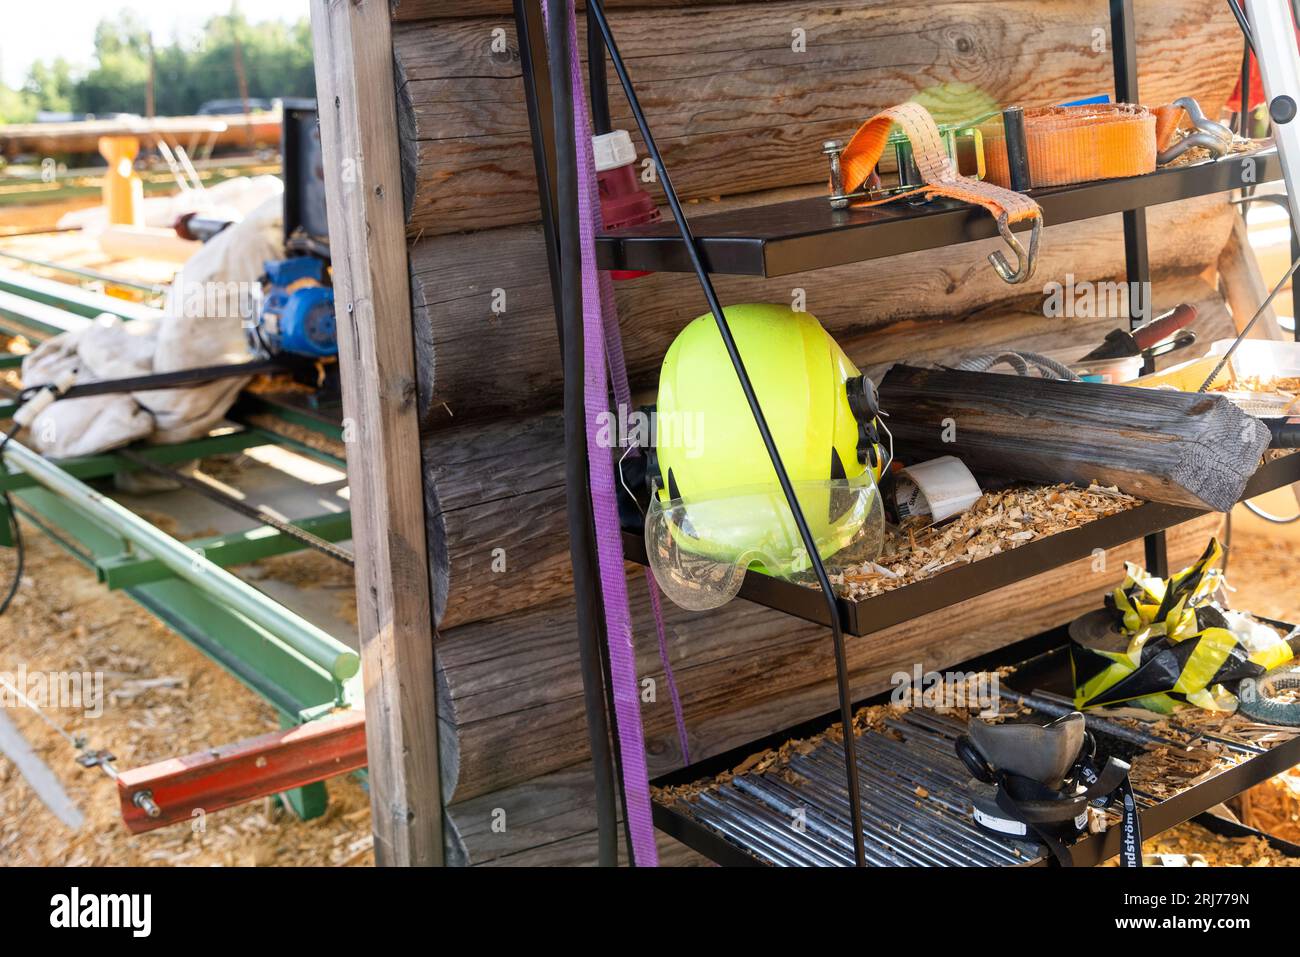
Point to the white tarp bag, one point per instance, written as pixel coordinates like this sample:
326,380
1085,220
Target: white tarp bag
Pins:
201,325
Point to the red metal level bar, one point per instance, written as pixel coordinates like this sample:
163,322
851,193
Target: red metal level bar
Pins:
171,790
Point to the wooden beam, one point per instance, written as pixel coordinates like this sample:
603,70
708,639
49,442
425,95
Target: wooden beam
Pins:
494,489
1243,284
512,696
443,9
476,362
1160,445
363,184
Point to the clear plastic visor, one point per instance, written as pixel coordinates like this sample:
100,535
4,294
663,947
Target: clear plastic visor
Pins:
700,549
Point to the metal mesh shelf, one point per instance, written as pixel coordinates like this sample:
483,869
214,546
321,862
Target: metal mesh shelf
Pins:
914,790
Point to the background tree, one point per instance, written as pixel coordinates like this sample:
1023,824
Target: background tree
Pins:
188,72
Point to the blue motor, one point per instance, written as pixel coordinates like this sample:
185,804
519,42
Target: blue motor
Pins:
297,314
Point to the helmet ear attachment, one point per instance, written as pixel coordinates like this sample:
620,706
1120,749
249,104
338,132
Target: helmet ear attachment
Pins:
864,403
863,398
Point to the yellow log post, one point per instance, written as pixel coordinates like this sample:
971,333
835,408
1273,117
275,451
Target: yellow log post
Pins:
123,189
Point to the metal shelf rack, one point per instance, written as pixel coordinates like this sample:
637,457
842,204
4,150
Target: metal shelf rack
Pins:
868,615
804,234
786,238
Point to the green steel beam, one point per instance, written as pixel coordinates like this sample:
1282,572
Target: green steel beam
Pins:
302,448
150,289
128,569
9,360
251,654
107,463
296,633
69,298
36,320
250,403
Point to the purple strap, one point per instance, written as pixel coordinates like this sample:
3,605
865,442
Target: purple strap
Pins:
623,397
658,607
609,548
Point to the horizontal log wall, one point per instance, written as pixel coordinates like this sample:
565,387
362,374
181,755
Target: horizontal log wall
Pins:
736,108
740,116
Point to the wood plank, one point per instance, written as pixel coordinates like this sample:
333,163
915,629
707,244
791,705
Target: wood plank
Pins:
1160,445
513,687
1243,285
736,108
354,77
539,821
474,362
40,778
579,850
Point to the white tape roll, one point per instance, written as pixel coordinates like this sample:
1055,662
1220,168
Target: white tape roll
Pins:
940,488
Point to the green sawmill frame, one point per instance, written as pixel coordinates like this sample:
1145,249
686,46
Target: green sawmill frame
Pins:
266,658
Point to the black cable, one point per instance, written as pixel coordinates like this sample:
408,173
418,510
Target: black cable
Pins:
581,529
19,556
596,79
19,551
1244,124
595,9
1242,22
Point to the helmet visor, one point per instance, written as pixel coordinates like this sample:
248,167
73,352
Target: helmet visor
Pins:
700,548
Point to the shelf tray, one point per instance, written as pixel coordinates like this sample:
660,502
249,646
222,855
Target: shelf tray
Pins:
868,615
795,236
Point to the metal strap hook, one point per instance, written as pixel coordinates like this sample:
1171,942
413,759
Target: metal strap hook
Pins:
1024,263
1208,134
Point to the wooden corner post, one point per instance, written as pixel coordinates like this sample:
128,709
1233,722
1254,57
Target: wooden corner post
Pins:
354,84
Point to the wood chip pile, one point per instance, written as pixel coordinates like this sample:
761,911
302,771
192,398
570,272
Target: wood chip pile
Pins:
1195,845
999,521
1281,385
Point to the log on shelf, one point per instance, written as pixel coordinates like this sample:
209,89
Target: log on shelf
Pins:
1182,448
512,692
738,106
485,330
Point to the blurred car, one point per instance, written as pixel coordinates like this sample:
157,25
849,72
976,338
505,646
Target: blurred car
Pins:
231,107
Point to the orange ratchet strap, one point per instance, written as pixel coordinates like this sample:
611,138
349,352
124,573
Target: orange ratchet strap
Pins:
942,179
1076,144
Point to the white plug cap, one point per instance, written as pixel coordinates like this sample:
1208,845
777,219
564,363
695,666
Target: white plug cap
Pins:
612,150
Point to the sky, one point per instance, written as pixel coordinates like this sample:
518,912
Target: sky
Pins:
28,32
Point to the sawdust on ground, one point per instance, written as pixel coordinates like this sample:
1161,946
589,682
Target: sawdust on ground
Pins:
319,571
63,620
